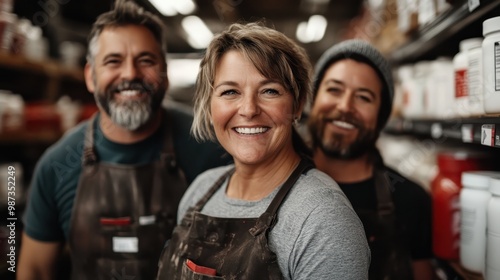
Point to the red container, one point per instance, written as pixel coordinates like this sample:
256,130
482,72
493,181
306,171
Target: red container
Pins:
445,190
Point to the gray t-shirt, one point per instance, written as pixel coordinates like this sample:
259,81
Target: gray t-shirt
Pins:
317,235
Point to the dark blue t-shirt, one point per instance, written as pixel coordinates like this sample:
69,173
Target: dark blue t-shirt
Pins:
54,184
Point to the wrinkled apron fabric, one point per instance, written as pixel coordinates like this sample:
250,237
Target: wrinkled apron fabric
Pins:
233,248
123,214
390,256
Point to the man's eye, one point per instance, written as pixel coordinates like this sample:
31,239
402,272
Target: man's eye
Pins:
365,98
112,62
147,62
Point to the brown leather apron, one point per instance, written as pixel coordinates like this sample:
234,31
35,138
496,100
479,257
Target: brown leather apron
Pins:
123,214
390,257
236,248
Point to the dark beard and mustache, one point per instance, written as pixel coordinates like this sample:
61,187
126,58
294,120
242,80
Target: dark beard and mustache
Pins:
131,114
335,147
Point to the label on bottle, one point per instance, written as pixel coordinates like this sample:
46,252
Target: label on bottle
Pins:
460,83
497,66
474,74
467,224
488,134
473,4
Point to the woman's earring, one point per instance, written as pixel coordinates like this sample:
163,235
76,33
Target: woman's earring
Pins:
296,120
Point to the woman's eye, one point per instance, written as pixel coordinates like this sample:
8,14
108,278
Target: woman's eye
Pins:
228,92
271,91
334,90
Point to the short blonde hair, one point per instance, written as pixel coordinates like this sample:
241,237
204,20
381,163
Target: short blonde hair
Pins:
273,54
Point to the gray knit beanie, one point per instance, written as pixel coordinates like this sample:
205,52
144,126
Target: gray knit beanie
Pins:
364,52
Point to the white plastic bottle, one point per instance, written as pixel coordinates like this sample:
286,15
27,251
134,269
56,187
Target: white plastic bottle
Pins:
460,65
491,65
439,89
414,106
492,271
474,198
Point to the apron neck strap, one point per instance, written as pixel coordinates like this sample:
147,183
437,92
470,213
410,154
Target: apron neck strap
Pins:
268,218
213,189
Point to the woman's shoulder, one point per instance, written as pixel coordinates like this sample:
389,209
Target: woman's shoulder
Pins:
317,189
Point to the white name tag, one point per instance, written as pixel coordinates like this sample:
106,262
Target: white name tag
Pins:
125,244
147,220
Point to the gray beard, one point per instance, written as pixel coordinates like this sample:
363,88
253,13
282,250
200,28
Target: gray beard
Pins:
131,114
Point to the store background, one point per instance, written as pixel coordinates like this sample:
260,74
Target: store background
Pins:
42,91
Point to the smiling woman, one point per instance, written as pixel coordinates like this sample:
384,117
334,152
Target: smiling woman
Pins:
269,214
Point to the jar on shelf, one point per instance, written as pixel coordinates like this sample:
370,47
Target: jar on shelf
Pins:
491,65
474,198
461,69
445,189
439,89
492,271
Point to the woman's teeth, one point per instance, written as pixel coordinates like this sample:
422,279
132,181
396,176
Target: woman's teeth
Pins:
253,130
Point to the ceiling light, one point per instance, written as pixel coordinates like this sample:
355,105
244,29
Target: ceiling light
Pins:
182,72
184,7
199,36
313,30
173,7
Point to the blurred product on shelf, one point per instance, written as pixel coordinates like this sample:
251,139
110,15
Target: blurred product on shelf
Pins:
414,159
7,29
491,65
19,36
69,111
475,81
40,116
11,111
6,5
474,198
36,46
438,89
414,94
407,15
71,53
445,189
461,66
492,270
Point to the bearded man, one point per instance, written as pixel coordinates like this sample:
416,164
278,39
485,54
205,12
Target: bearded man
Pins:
353,92
110,188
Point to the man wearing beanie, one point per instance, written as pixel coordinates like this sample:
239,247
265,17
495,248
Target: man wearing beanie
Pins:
353,92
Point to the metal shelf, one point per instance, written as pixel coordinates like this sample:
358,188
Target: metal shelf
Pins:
446,25
484,131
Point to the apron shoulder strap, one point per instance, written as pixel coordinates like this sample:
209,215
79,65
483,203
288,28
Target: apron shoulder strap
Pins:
385,206
89,157
268,218
167,154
